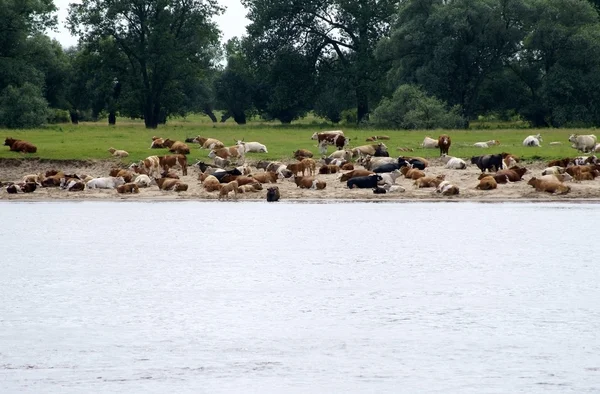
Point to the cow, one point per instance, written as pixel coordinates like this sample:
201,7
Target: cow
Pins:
487,183
177,147
415,160
171,184
105,183
237,151
509,160
377,138
486,144
365,150
533,140
302,154
453,162
36,178
128,188
549,186
560,162
28,187
444,143
117,152
309,165
265,177
227,188
54,179
329,169
370,162
330,138
142,180
364,182
151,166
211,184
583,143
488,162
429,143
273,194
172,161
72,184
255,147
514,174
347,167
209,143
341,154
220,162
390,177
126,174
169,174
429,181
354,174
393,188
157,143
388,167
447,189
557,177
412,173
20,145
249,188
379,190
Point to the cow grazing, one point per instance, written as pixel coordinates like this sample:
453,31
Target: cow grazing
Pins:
549,186
453,162
583,143
533,140
488,162
273,194
157,143
173,161
355,174
364,182
444,143
177,147
329,169
329,138
128,188
105,183
429,181
302,154
429,143
228,188
117,152
487,183
208,143
20,145
447,189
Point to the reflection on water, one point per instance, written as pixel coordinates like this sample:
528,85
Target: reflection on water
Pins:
270,298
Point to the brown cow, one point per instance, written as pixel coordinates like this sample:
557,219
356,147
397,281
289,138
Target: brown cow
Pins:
309,182
487,183
560,162
302,154
20,145
354,174
172,161
177,147
412,173
265,177
128,188
329,169
444,143
126,174
171,184
211,184
331,138
209,143
157,143
430,181
227,188
549,186
252,187
310,165
347,166
377,138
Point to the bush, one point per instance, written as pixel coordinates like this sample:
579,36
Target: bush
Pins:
58,116
23,107
349,116
411,108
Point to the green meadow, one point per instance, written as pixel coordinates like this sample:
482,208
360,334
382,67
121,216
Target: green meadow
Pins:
92,140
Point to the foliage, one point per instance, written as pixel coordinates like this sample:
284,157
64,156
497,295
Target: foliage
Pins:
58,116
411,108
23,107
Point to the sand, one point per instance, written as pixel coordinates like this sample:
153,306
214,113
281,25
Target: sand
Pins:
13,170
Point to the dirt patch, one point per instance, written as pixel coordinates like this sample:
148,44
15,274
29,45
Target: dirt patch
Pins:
13,170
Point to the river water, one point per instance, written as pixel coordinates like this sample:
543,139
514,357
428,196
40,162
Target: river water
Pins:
205,297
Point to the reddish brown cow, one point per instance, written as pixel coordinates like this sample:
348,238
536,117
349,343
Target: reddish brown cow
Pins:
20,145
338,140
355,174
171,161
444,143
177,147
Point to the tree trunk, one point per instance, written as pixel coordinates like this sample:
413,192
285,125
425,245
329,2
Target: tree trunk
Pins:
240,118
150,115
112,118
225,116
209,112
362,105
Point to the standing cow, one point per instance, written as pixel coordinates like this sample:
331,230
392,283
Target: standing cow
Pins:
444,143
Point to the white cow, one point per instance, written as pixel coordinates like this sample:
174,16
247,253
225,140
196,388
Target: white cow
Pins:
341,154
255,147
142,180
389,177
429,143
454,162
109,182
533,140
553,170
583,143
393,188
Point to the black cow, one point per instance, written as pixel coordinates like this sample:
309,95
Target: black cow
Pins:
28,187
418,164
364,182
379,190
12,189
273,194
220,174
381,152
388,167
203,166
402,162
488,162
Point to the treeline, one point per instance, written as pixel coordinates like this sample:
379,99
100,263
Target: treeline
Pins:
388,63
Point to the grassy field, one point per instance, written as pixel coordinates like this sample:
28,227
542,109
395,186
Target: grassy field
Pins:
91,140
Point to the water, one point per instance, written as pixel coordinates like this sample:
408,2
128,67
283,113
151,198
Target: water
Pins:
193,297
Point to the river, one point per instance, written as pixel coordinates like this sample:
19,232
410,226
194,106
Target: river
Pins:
205,297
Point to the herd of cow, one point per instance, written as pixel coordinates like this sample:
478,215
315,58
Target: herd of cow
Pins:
365,167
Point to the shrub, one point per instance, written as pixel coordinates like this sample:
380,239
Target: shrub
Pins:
23,107
411,108
58,116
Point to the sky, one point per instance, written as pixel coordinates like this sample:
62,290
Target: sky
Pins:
232,23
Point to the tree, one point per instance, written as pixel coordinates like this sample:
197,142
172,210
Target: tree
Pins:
450,47
320,29
164,42
23,107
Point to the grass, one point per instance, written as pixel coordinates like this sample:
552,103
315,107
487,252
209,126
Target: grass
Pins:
91,140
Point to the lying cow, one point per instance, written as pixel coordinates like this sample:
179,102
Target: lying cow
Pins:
106,183
117,152
209,143
20,145
177,147
533,140
549,186
487,183
273,194
364,182
128,188
447,189
453,162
